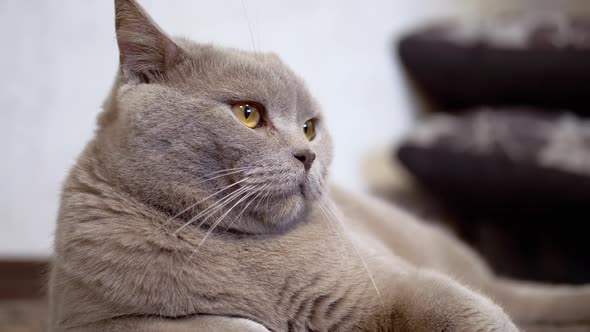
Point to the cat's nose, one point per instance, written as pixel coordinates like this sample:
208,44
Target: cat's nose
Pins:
306,157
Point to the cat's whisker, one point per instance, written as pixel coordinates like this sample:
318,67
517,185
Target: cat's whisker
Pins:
340,239
227,172
213,207
220,174
260,192
249,25
224,172
219,204
265,194
219,220
230,170
354,246
204,199
223,204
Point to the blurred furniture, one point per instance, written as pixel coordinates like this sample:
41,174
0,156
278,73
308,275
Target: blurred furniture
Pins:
506,155
23,306
511,60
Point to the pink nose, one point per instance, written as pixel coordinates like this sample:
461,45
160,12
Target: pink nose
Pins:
306,157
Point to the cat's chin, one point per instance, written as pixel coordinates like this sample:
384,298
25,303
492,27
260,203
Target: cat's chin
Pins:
284,210
278,214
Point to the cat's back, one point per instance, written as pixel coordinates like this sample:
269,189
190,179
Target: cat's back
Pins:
420,243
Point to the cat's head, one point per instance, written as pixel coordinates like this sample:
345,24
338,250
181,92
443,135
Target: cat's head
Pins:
186,120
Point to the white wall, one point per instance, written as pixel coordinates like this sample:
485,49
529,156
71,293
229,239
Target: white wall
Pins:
58,59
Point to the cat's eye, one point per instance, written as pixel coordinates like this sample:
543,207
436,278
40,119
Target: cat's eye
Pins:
248,113
309,129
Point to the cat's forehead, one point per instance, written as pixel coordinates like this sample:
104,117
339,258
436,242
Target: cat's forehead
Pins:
255,76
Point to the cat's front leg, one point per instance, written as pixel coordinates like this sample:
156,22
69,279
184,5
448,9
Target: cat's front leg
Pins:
430,302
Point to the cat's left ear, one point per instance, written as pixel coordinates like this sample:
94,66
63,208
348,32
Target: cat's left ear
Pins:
146,53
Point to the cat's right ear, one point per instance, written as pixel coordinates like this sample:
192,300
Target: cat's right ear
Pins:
146,53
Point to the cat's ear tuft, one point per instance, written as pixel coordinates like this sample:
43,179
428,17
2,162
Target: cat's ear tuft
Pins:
145,51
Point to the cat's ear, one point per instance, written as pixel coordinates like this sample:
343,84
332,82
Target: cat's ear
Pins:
145,51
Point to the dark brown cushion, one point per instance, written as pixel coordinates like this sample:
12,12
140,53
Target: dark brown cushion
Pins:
516,184
514,160
511,60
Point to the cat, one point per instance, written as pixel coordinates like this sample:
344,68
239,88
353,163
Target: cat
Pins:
203,204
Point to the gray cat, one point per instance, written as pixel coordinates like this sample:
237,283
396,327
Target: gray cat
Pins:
202,205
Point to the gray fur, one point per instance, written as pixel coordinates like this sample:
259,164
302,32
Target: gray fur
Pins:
296,255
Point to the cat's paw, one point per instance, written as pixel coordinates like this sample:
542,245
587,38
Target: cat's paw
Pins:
478,318
439,304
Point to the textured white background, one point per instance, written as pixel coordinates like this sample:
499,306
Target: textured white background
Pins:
58,59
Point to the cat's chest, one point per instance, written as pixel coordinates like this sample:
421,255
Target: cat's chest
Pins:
310,279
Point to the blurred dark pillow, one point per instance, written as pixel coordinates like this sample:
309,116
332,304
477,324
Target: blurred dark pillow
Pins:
509,60
494,162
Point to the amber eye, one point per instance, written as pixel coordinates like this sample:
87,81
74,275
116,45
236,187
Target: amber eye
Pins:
248,114
309,129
